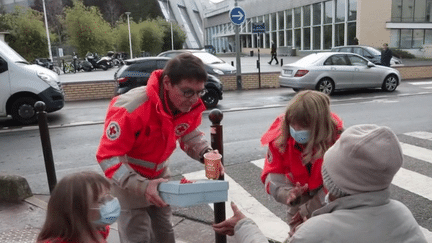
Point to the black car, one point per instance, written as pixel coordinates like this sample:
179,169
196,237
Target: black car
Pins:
136,72
368,52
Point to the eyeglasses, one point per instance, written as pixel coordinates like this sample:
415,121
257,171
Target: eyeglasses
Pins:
189,93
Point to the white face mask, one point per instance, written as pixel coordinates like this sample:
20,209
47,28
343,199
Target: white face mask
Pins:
301,136
109,212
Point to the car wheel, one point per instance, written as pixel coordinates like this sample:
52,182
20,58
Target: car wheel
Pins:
23,111
211,98
390,83
104,67
326,86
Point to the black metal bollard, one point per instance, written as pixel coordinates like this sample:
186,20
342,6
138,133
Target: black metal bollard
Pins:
281,61
216,134
46,145
232,63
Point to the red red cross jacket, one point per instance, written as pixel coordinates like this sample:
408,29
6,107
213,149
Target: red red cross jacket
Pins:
140,135
285,169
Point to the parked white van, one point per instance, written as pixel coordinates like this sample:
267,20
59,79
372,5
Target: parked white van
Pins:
23,84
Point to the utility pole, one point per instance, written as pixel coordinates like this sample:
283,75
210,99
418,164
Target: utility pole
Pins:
47,32
238,63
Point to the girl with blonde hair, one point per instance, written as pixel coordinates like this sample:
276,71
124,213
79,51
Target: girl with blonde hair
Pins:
80,210
297,141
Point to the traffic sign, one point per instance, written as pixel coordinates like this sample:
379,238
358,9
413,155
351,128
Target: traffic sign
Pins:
258,28
237,15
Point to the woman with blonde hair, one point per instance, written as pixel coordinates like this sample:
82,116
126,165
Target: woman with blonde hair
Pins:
80,210
297,141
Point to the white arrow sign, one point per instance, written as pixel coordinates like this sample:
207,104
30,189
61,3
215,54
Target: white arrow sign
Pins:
237,15
240,16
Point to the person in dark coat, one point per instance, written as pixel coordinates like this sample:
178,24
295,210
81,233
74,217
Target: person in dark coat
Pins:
273,53
386,55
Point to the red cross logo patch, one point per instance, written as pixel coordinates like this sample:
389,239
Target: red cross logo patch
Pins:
113,131
181,128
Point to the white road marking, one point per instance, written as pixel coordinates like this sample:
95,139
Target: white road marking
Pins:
417,152
271,225
421,83
421,135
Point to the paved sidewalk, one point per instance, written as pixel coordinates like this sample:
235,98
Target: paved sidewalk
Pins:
21,223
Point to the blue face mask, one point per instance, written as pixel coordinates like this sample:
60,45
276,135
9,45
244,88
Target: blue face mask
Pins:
109,212
301,136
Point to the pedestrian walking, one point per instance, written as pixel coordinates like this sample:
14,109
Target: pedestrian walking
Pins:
142,128
357,171
80,210
273,53
386,55
297,141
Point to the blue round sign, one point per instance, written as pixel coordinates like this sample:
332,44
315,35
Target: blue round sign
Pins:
237,15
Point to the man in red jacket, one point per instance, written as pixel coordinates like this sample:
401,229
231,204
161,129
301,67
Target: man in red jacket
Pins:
140,134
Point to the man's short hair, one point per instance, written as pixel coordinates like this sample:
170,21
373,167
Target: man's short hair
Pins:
185,66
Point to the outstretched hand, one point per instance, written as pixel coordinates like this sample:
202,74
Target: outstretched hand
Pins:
227,227
296,192
152,193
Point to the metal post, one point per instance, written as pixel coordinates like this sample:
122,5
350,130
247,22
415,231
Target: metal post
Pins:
47,31
238,46
46,145
130,39
259,62
216,134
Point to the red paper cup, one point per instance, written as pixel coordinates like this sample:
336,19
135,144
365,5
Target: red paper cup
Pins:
212,162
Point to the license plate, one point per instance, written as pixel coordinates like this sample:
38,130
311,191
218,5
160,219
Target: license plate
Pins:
288,72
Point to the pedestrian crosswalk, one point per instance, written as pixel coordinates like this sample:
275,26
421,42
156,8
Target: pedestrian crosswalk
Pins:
422,84
415,181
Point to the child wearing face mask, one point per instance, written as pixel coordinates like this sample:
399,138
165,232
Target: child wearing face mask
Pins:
80,210
297,141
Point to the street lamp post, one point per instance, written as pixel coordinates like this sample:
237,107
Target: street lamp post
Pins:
47,31
130,39
169,19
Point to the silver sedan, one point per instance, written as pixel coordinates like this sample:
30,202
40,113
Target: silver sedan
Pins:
330,71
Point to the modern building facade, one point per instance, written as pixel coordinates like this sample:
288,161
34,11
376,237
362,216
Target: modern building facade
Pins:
319,25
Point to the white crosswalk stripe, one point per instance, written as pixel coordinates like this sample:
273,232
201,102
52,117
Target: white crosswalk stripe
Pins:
275,228
423,84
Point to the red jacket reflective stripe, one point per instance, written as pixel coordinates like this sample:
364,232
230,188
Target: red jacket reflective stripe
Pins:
138,126
289,163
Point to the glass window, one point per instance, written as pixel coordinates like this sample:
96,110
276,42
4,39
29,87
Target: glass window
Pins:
395,37
345,49
281,20
328,12
317,38
273,21
357,61
273,35
297,17
352,10
267,40
406,39
418,37
352,33
396,15
407,10
297,38
161,64
339,34
289,19
307,15
420,11
429,11
428,37
289,37
281,38
267,22
358,50
340,10
328,37
316,13
338,60
306,39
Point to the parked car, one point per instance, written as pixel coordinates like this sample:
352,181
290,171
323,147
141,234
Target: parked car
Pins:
330,71
136,72
214,65
368,52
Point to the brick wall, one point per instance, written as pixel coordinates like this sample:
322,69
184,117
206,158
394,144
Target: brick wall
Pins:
105,89
91,90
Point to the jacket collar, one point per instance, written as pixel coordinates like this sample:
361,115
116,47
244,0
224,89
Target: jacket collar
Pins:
369,199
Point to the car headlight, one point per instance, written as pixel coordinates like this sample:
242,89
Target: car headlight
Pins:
48,79
218,71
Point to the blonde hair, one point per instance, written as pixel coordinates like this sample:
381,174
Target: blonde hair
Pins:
69,206
309,109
